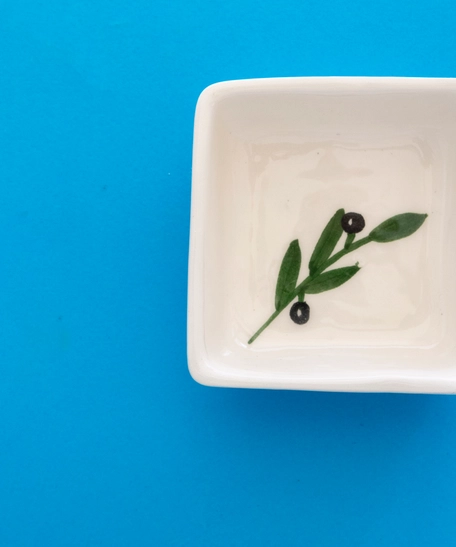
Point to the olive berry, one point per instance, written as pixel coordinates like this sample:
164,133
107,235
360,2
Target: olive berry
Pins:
300,312
352,223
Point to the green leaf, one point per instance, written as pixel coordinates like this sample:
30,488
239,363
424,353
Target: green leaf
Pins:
288,275
327,242
397,227
331,280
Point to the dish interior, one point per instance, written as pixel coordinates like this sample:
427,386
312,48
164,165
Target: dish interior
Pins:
279,163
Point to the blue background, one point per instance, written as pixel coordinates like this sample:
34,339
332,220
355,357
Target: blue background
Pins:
105,439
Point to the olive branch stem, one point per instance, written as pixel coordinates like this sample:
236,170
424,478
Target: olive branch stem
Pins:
301,288
287,289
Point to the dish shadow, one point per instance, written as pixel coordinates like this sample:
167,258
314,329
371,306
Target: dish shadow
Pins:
298,412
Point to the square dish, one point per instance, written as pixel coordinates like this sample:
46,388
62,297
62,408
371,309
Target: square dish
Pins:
274,160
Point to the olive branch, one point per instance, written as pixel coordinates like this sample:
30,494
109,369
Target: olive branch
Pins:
319,280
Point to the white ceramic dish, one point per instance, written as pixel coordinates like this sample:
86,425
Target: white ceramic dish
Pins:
273,160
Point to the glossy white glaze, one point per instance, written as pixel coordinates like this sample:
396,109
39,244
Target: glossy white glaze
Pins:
273,160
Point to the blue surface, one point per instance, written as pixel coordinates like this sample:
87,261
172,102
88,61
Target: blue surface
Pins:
105,439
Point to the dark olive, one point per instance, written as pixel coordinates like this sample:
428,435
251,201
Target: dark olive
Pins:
352,223
300,312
